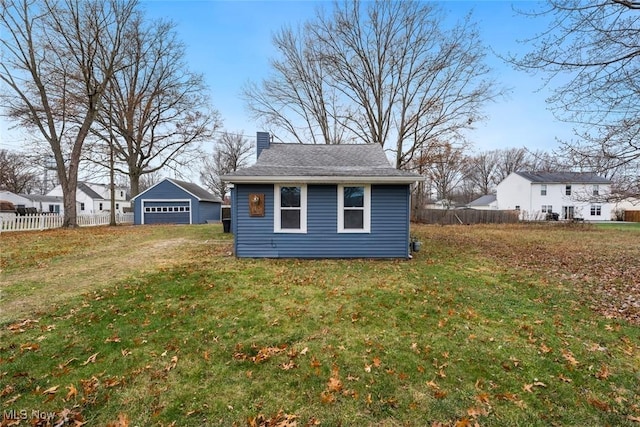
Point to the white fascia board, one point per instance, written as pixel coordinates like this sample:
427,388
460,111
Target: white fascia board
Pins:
325,179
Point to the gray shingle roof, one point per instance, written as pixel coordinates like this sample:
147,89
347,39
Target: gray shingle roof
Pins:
321,160
88,191
196,190
483,200
41,198
564,177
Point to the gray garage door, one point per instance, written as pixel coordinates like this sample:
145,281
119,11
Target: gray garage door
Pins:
166,213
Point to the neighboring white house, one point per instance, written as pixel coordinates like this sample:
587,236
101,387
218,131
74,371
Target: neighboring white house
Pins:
569,194
94,198
484,203
43,204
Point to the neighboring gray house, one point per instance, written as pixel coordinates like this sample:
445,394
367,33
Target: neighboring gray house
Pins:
320,201
171,201
486,202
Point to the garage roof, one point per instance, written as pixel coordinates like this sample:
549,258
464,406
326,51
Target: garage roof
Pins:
191,188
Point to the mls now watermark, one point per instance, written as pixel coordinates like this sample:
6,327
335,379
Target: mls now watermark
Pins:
25,414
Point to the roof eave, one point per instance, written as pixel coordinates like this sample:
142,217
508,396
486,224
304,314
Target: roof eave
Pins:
323,179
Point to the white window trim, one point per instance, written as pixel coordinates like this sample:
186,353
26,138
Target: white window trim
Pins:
366,210
277,228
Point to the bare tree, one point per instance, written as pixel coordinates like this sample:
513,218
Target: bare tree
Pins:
593,49
444,168
391,71
17,173
157,111
58,58
480,172
297,98
231,153
510,160
148,180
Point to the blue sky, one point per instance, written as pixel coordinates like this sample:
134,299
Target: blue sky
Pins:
230,43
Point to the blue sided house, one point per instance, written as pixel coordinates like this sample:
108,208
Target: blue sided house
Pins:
320,201
171,201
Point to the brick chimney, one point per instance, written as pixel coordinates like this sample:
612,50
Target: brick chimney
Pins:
263,140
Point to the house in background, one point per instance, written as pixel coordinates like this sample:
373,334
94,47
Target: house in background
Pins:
484,203
171,201
320,201
569,194
92,198
42,204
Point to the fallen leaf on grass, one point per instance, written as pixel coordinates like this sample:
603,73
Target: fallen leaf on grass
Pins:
564,379
69,417
172,365
568,356
334,384
91,359
123,421
7,390
51,390
29,347
603,406
327,397
634,419
529,387
603,373
545,349
483,398
73,392
288,365
19,327
279,420
476,412
12,400
440,394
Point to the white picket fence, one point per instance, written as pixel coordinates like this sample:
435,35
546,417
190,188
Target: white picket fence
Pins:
46,221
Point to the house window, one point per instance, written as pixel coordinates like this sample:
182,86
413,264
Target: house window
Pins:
100,207
122,194
354,209
117,205
547,208
567,190
543,190
81,206
596,190
290,213
596,210
517,207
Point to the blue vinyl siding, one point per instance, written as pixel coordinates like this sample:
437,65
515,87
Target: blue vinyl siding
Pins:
168,194
389,237
209,211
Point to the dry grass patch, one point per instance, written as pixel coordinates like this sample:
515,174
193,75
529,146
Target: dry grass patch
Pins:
41,269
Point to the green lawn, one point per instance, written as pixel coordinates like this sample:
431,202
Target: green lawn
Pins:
487,325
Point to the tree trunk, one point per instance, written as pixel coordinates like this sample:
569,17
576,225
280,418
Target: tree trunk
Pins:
134,183
69,200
